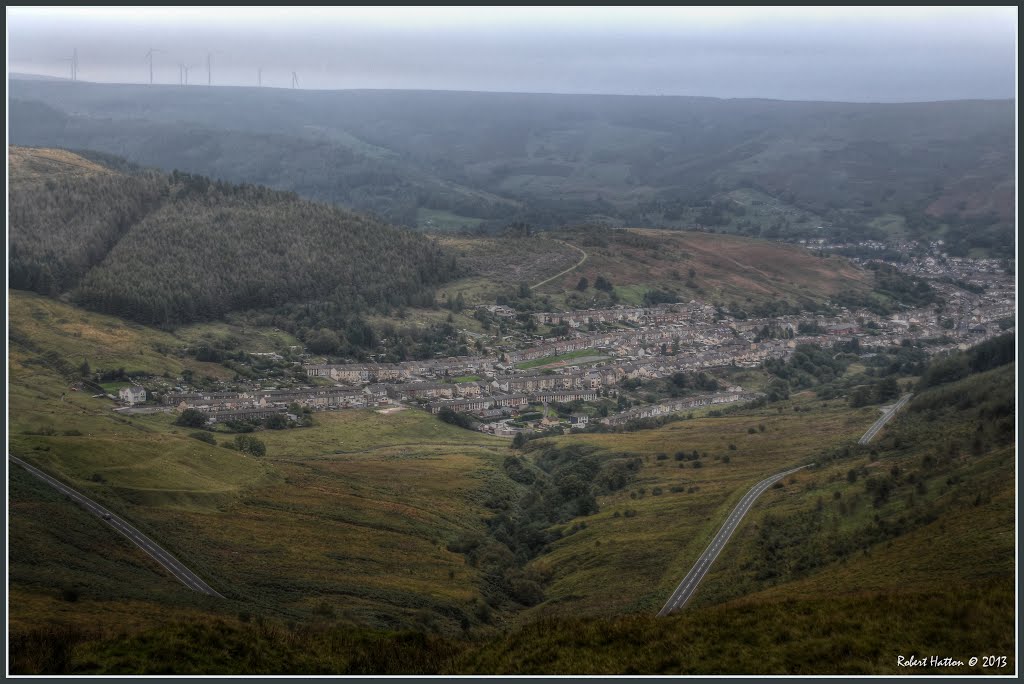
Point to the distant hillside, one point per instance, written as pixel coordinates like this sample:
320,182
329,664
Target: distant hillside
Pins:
945,167
177,248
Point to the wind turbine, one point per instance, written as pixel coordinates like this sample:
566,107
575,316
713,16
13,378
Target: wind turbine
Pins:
149,56
295,80
259,76
209,65
186,67
73,59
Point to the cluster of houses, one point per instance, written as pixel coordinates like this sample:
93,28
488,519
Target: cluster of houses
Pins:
669,406
261,404
693,312
699,338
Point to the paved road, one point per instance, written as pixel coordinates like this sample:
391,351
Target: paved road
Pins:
169,562
558,275
885,418
689,584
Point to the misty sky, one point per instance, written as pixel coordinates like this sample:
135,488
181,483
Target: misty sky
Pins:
848,54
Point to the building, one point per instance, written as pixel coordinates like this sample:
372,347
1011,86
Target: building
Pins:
134,394
247,414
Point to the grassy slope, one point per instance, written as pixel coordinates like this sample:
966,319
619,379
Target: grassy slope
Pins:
29,164
626,564
728,268
851,614
347,522
104,341
500,264
350,517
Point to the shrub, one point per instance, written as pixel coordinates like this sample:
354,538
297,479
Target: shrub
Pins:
250,445
204,437
191,418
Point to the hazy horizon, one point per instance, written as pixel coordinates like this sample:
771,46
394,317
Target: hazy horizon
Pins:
46,77
794,54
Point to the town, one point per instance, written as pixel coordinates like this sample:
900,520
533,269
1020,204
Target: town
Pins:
512,388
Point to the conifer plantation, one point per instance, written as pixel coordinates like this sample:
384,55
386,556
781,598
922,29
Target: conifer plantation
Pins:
179,248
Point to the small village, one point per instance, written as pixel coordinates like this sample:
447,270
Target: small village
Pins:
582,372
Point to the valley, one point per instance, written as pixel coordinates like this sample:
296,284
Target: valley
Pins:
471,391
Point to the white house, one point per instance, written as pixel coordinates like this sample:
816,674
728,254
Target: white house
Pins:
133,394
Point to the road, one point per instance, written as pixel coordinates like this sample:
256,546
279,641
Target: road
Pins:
885,418
559,275
689,584
169,562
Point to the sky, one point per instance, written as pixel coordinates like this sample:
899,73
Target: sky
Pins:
877,54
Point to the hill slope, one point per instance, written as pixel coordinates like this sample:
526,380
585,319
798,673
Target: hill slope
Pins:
178,248
549,159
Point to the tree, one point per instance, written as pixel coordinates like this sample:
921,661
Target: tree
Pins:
583,284
276,422
323,342
519,440
861,396
250,445
191,418
84,370
887,389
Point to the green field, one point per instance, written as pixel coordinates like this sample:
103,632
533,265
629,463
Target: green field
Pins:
435,220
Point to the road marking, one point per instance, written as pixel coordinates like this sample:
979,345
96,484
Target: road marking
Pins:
689,583
167,561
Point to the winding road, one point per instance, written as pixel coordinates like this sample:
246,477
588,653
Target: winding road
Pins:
689,584
885,418
559,275
169,562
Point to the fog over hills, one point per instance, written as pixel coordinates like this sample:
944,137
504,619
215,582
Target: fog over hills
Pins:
492,158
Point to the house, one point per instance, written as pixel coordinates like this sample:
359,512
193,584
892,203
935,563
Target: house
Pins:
511,400
133,394
463,405
376,394
565,396
246,414
579,420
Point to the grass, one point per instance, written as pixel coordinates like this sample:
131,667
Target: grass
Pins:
27,164
250,338
556,360
895,226
821,635
106,342
727,268
343,528
444,221
625,564
499,264
366,502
